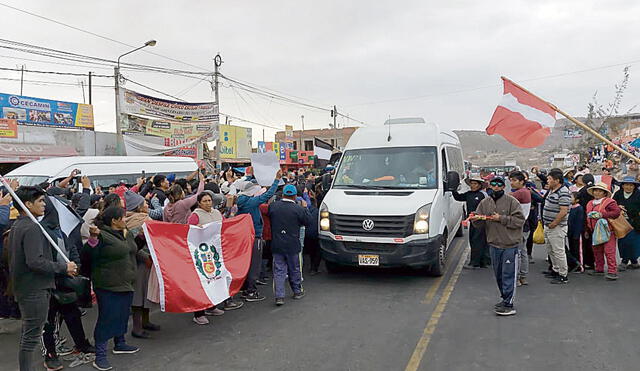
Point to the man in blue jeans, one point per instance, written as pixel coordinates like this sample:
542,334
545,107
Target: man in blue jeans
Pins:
287,218
501,216
32,270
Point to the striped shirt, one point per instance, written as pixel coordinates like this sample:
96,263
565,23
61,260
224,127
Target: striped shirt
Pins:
552,203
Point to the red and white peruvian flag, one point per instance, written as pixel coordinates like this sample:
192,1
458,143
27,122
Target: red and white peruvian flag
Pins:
522,118
198,267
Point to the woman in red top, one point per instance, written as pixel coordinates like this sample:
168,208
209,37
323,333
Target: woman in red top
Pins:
603,206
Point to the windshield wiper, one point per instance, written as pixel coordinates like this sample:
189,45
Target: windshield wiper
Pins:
358,186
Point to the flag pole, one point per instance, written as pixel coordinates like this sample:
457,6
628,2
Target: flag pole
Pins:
33,218
580,124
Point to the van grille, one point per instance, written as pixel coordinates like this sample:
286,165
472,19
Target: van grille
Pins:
384,226
363,247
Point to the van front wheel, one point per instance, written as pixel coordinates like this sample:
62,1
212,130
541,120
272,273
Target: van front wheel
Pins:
437,268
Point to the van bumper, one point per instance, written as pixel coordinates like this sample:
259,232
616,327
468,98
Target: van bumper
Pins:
417,253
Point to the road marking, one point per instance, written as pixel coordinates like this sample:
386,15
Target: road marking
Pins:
423,343
431,293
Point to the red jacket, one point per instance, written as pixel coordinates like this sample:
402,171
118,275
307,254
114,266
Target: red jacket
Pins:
608,208
266,231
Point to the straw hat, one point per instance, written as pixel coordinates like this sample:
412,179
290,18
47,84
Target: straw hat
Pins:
602,186
472,178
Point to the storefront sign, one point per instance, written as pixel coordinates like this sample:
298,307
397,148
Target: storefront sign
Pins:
8,128
288,132
235,142
44,112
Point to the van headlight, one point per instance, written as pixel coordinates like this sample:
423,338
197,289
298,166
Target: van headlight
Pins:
421,222
325,223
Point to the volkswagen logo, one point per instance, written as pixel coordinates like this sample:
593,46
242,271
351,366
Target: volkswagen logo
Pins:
367,224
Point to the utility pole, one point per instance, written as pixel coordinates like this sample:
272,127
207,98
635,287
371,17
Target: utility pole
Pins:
263,135
302,133
90,85
84,99
217,62
119,139
21,78
334,114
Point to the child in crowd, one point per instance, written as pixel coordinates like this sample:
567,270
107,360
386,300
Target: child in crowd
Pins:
574,233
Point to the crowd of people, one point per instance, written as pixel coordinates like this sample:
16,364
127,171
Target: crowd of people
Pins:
107,261
583,220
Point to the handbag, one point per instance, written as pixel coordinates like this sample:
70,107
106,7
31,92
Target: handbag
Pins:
620,226
538,234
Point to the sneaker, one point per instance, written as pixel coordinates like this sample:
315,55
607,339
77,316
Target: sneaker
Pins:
622,267
553,274
518,283
52,363
102,364
141,335
531,261
232,304
611,276
151,327
82,359
213,312
279,301
253,297
125,349
299,295
559,280
634,266
523,281
201,320
576,268
505,311
62,350
261,282
498,305
595,273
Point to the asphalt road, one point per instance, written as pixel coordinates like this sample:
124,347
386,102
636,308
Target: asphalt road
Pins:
401,320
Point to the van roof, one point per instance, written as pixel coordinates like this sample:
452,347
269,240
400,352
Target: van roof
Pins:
53,167
408,132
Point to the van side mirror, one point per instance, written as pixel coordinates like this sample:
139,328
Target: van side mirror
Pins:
453,181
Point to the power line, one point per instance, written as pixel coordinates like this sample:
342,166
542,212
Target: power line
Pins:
39,82
154,90
250,122
98,35
54,72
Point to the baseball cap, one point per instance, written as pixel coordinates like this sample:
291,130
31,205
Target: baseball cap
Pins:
290,190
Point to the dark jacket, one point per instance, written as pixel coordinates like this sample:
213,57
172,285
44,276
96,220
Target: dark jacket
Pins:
5,211
631,205
312,227
471,198
287,218
113,260
251,206
160,195
575,222
30,258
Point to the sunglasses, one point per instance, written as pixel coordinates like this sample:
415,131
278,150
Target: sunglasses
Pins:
496,184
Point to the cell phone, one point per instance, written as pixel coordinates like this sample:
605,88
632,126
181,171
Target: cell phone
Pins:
144,174
203,171
78,171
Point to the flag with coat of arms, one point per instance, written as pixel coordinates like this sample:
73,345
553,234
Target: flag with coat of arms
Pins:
198,267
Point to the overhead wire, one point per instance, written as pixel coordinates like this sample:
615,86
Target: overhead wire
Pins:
98,35
39,82
54,72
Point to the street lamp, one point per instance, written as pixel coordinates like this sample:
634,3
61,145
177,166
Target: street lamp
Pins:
117,86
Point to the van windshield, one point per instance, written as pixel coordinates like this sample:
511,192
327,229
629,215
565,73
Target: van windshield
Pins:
28,180
389,168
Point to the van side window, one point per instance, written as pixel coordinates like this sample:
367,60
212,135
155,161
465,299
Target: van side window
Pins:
444,164
456,162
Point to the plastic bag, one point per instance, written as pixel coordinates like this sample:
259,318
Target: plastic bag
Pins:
538,234
601,232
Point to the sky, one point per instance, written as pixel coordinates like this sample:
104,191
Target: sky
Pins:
441,60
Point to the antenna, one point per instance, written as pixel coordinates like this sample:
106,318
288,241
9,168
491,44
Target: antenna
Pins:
389,124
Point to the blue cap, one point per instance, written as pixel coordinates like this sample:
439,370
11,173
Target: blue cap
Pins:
290,190
171,178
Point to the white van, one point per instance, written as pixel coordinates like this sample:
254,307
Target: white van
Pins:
102,170
390,203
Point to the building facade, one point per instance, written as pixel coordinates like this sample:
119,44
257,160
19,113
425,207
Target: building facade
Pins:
303,140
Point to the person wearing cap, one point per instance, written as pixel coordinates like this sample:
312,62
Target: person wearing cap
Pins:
628,198
249,201
501,217
137,214
555,220
287,219
523,195
477,238
603,207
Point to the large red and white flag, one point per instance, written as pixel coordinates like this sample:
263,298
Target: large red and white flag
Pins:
198,267
522,118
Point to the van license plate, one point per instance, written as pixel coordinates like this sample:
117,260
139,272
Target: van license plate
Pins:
372,260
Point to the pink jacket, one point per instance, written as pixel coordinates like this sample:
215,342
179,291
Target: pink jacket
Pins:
179,212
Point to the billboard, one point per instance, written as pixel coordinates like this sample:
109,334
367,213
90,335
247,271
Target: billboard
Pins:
134,103
235,142
45,112
166,129
288,130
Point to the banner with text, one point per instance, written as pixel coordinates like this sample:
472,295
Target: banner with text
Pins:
8,128
139,104
45,112
168,129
